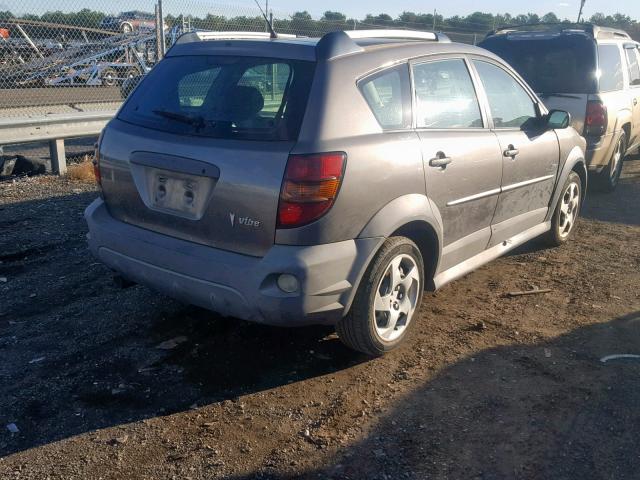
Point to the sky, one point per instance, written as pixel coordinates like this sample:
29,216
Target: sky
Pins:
357,9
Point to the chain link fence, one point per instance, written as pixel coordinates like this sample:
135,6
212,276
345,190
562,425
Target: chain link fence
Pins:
75,55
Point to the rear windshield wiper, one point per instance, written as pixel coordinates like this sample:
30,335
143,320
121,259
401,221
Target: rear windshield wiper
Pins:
196,121
559,95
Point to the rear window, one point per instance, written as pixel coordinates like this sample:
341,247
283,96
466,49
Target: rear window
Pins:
559,64
244,98
610,68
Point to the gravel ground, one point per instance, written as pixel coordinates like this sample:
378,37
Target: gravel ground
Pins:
104,383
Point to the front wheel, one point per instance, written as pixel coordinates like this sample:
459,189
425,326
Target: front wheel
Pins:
387,300
566,213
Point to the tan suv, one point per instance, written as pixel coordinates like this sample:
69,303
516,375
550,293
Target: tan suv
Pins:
593,73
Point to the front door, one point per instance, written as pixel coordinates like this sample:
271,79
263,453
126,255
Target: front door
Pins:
463,163
530,153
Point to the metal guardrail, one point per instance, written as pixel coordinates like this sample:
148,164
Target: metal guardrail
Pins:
62,72
54,128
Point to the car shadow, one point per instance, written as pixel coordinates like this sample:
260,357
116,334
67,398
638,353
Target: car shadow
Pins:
79,354
619,206
552,409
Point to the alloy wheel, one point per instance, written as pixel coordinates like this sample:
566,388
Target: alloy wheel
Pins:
396,297
569,206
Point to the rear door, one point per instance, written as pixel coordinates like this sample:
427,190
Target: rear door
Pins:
632,54
463,164
530,154
199,149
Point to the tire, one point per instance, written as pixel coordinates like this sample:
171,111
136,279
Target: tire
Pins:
566,212
126,28
132,72
373,330
609,177
109,77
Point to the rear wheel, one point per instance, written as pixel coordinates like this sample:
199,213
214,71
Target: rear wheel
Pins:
610,176
566,213
109,77
387,300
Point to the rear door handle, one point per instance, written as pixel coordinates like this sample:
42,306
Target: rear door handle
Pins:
440,160
511,152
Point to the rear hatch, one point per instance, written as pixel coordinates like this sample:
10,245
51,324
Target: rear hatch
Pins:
560,66
199,150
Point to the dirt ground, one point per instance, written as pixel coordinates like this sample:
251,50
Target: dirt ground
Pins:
102,383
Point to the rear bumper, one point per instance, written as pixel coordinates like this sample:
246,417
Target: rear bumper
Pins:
233,284
599,152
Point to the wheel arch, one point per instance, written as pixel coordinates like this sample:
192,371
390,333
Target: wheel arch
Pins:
413,216
575,163
581,169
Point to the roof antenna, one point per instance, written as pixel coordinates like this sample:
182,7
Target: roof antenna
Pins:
272,32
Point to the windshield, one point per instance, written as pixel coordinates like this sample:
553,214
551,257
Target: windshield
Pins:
560,64
223,97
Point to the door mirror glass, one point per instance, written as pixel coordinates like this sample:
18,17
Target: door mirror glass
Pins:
558,119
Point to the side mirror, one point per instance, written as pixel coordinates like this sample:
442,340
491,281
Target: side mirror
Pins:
558,119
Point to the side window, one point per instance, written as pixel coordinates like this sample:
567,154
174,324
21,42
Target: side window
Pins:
193,88
633,63
610,68
510,104
387,94
445,96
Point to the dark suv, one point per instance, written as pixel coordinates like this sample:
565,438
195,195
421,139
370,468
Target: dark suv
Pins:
593,73
296,181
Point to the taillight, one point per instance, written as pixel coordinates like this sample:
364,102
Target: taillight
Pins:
595,122
96,161
309,188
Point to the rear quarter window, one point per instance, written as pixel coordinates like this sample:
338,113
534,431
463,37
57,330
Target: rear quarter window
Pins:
388,95
609,74
633,65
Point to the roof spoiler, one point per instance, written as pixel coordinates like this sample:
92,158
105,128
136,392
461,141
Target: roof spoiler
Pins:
337,44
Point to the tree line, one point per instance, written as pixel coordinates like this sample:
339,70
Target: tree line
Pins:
302,21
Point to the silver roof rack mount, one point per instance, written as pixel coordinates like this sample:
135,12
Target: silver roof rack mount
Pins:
337,44
203,36
392,34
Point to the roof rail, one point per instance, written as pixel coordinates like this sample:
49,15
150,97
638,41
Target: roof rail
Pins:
608,32
397,35
201,36
339,43
595,31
